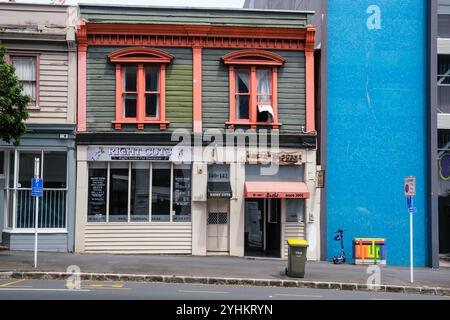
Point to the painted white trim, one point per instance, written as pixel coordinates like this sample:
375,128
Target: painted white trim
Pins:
443,45
31,231
443,120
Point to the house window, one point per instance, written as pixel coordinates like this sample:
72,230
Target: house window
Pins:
253,88
139,192
140,87
27,66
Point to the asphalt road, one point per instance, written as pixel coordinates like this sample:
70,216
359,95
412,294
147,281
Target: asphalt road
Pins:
11,289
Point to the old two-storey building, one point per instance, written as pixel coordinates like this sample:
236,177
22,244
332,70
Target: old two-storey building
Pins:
220,79
40,42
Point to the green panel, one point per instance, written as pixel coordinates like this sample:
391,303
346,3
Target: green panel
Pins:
194,16
291,90
101,90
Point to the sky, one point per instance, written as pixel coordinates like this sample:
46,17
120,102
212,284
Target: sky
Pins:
183,3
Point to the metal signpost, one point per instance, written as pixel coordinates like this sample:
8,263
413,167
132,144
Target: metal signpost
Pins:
410,192
36,192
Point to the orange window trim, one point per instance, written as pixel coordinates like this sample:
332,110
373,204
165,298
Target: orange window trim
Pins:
141,56
265,59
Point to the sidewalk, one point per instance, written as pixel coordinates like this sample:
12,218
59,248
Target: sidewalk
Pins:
219,267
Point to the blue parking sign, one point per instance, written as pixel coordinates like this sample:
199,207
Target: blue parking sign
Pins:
37,188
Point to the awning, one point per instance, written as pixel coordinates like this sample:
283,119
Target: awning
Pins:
219,190
276,189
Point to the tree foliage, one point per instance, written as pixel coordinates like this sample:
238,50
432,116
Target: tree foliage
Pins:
13,103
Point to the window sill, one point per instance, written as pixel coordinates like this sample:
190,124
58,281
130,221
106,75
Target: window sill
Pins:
33,108
253,125
141,124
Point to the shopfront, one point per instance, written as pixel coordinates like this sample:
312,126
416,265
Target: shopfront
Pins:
138,199
57,205
274,209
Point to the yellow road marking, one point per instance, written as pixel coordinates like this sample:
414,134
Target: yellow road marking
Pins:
10,283
298,295
96,285
117,286
193,291
106,288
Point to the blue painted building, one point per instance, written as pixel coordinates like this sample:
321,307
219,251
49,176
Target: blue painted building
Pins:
374,120
377,124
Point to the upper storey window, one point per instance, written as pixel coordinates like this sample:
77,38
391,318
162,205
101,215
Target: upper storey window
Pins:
253,88
27,66
140,87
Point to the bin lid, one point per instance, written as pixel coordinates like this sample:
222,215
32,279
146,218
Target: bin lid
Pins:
297,242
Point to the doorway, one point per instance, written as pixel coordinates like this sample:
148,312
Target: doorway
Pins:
218,226
444,231
263,228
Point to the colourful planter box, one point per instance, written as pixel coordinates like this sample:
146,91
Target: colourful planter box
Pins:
369,251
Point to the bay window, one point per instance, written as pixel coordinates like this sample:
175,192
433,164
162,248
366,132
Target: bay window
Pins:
140,87
139,192
253,78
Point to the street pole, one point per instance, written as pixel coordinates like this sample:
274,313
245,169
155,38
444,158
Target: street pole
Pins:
36,219
411,249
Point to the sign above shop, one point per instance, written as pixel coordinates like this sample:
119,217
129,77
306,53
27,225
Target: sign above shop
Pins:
280,158
118,153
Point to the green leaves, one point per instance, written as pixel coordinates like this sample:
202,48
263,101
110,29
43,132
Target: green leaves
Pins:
13,104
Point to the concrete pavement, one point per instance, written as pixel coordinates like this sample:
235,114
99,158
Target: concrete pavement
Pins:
217,269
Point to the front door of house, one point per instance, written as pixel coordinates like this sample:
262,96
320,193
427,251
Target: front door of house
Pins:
263,227
218,225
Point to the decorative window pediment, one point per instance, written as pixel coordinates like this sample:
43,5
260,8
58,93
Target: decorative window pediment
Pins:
145,55
253,57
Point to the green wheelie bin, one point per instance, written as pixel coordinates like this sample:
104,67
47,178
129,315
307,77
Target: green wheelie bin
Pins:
296,258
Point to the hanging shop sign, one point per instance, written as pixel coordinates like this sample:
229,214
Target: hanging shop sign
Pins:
280,158
119,153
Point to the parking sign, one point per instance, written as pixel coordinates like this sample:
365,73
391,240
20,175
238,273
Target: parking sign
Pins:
410,186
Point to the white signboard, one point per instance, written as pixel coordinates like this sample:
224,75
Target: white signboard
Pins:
410,186
126,153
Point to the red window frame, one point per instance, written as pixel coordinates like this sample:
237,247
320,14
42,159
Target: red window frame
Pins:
36,56
141,57
253,60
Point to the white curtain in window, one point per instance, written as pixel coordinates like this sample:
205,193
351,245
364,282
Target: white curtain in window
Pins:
242,81
264,84
26,73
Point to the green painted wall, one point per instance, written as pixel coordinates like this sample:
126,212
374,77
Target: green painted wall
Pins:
193,16
291,90
101,90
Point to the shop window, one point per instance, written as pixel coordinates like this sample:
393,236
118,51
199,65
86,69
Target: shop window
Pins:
139,192
161,192
140,87
53,203
253,78
118,192
26,168
55,170
295,210
182,192
98,176
27,66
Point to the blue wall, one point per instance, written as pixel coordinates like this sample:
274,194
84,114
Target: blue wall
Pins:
377,125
